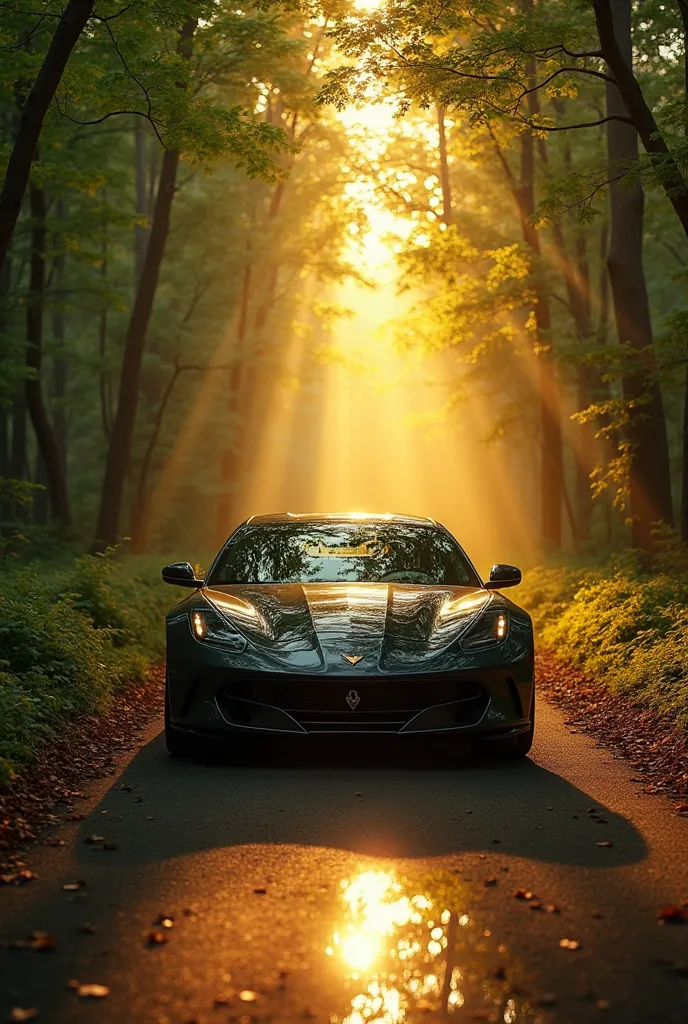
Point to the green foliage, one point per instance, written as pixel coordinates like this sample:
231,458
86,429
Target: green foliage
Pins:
70,639
622,625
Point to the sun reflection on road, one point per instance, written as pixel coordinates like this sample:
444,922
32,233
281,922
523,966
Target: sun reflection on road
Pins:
405,953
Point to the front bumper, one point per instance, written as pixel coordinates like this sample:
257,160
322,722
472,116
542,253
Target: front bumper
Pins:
208,695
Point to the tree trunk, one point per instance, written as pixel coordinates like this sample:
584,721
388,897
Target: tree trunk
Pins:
140,517
445,181
683,8
60,363
552,481
45,436
40,507
5,274
69,28
618,55
18,456
104,388
684,466
650,480
584,438
140,232
119,449
121,434
231,457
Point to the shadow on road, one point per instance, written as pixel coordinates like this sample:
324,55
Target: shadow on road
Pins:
365,798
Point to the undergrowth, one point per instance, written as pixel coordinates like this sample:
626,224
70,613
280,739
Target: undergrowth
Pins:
71,637
623,623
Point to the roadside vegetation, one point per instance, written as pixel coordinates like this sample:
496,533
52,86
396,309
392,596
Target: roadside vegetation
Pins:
622,622
72,636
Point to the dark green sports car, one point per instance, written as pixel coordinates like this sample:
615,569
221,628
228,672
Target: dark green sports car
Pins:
313,624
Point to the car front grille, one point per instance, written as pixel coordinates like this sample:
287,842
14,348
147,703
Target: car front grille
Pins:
354,703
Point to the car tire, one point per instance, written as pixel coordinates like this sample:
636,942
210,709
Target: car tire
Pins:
521,744
177,743
515,747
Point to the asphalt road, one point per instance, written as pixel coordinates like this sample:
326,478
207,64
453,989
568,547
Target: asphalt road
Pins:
355,886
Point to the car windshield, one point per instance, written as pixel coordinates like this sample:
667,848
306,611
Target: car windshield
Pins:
342,552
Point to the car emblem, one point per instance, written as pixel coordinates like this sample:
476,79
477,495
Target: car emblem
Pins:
353,659
352,699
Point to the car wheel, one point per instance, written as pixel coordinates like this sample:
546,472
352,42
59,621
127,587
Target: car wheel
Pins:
177,743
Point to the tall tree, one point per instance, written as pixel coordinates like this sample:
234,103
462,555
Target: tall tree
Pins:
119,448
69,27
35,399
646,435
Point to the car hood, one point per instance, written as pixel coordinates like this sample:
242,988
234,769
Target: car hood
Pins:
315,626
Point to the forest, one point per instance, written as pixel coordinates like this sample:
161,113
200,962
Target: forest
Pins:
186,192
408,255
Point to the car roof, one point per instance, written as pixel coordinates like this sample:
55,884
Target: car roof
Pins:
323,517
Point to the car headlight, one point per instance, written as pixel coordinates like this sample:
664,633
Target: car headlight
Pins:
489,630
209,626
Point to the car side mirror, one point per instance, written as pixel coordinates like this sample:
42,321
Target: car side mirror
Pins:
503,576
181,574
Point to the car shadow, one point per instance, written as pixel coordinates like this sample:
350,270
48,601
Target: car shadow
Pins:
367,798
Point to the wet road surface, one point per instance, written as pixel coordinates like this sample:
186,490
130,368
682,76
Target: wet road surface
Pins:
348,889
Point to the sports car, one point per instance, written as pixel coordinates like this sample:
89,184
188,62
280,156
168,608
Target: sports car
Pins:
307,625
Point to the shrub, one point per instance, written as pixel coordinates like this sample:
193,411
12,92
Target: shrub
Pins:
625,627
70,638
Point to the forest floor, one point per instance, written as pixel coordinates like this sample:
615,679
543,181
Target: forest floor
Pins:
91,747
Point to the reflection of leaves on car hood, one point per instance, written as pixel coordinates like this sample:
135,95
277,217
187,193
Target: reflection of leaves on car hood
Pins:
367,617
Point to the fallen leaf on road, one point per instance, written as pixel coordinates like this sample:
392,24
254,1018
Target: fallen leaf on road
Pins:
524,894
42,942
156,938
260,890
248,996
93,991
165,921
536,905
673,914
551,908
18,877
20,1013
94,839
73,886
38,942
605,842
569,944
